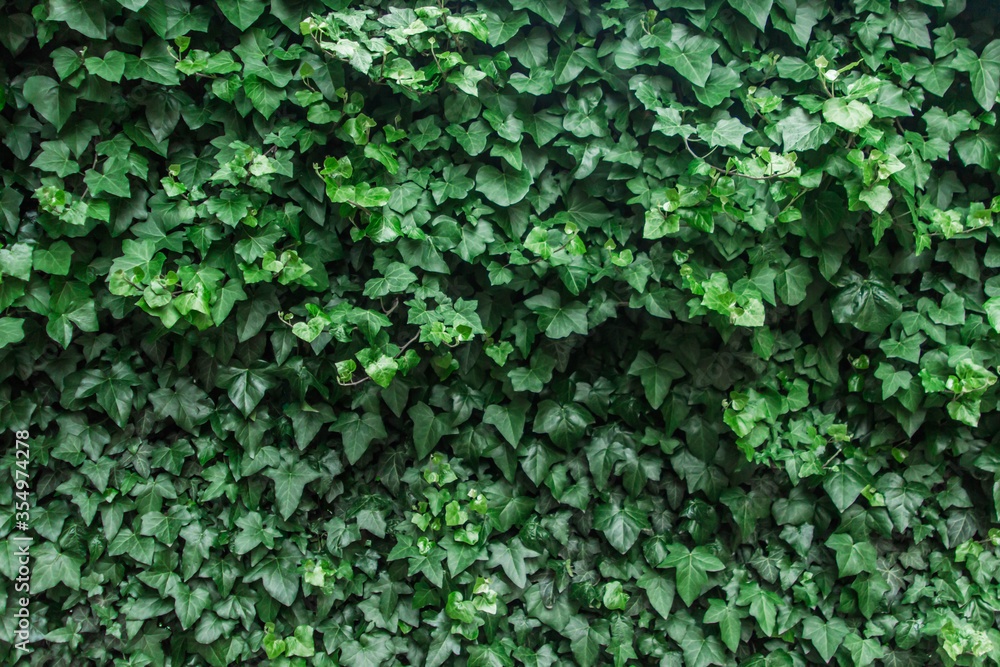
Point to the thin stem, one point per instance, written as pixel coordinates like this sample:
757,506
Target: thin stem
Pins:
355,383
835,455
539,259
726,172
822,80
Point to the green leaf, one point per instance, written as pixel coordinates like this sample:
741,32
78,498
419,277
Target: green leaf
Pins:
702,651
692,567
189,603
372,651
511,556
380,367
729,618
246,388
851,115
290,479
863,651
504,187
802,131
110,67
755,10
15,260
508,419
852,557
984,72
11,330
727,132
84,16
55,157
656,375
586,639
621,524
825,636
659,589
688,53
868,304
301,642
225,298
844,485
556,319
242,13
51,101
428,428
563,423
358,431
50,567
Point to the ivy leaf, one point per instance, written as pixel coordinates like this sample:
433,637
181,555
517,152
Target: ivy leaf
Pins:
110,67
372,651
50,567
702,651
692,567
290,479
358,432
621,524
825,636
656,375
586,639
863,651
84,16
755,10
984,72
556,319
55,259
246,387
509,420
242,13
868,304
728,617
659,589
802,131
428,428
51,101
504,187
851,115
727,132
688,53
511,556
852,557
844,485
563,423
189,603
55,157
11,330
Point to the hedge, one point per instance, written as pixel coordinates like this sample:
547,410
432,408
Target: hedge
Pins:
499,333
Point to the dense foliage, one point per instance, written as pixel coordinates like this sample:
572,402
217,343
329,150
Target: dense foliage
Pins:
492,334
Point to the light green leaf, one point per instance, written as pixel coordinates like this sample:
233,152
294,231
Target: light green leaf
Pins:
850,115
689,53
110,68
